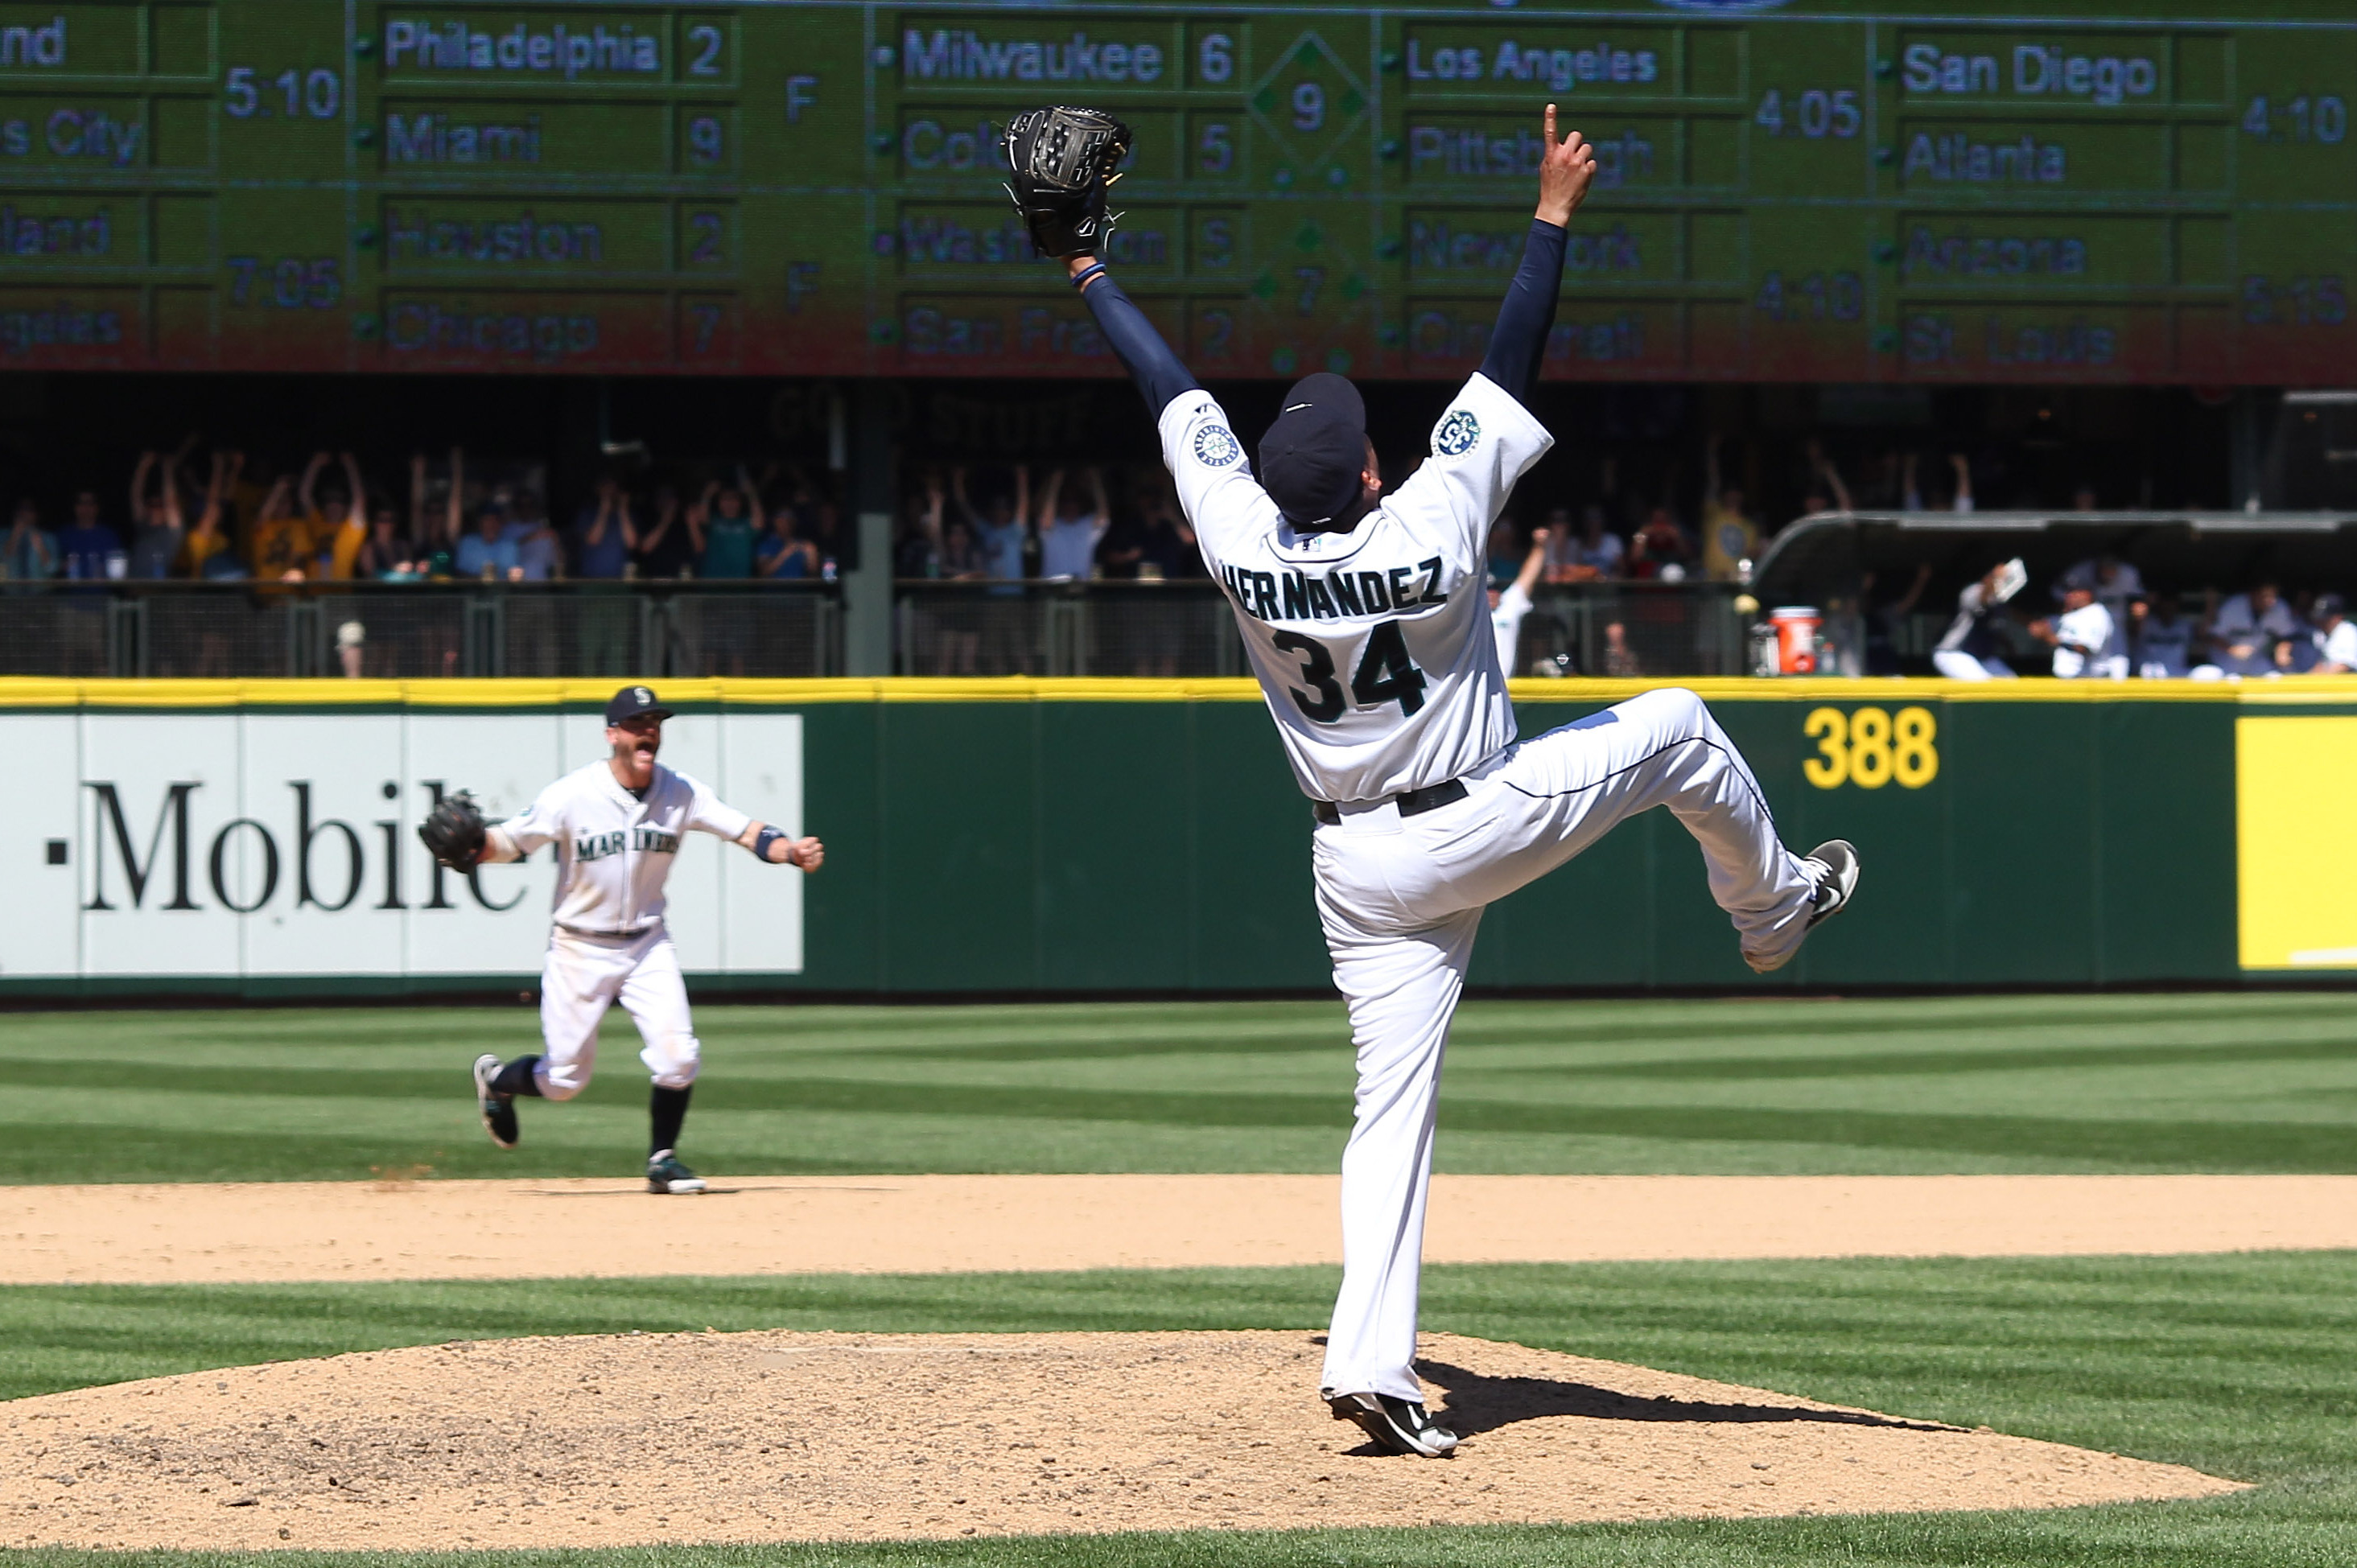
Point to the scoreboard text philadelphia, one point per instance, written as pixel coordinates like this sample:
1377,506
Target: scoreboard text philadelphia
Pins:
1804,193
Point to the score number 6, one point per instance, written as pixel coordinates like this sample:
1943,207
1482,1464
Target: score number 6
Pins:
1869,747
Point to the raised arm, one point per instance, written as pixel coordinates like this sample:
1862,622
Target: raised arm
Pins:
1046,522
1518,343
453,520
752,494
356,488
139,485
311,482
1533,564
1155,370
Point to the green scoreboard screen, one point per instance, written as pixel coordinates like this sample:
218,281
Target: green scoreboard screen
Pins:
1784,194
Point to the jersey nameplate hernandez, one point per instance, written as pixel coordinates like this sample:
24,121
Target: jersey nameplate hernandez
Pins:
1374,648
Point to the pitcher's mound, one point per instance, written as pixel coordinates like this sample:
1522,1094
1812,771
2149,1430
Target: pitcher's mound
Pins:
631,1439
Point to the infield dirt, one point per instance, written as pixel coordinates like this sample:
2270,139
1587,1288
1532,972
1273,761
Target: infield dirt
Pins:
402,1229
611,1440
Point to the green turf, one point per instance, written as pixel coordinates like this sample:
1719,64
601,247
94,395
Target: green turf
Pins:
2230,1081
2240,1365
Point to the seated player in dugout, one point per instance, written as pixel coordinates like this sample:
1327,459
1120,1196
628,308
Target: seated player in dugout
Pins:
1368,629
618,825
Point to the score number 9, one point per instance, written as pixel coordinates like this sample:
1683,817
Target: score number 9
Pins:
1869,747
708,140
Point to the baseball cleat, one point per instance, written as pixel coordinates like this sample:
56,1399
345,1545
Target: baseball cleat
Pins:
1833,867
666,1174
498,1110
1397,1425
1836,860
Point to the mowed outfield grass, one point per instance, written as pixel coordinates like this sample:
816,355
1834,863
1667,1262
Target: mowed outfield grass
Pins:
2178,1082
2241,1365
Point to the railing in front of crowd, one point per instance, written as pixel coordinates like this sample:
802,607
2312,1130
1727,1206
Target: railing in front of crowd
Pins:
1187,628
411,630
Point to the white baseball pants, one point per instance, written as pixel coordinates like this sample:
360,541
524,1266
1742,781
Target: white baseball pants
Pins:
1401,899
582,977
1958,665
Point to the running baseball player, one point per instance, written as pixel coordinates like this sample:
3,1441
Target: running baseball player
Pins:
1367,626
617,825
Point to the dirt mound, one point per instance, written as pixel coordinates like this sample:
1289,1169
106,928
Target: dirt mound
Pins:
629,1440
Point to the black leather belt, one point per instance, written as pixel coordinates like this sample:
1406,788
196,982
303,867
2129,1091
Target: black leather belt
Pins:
1411,802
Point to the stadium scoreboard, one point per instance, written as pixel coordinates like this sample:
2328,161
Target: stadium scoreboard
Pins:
813,188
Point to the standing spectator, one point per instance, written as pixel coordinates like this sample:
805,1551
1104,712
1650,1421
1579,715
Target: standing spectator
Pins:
2335,636
1510,604
721,526
1826,490
1166,546
488,554
90,550
342,529
2246,628
782,556
540,554
663,551
1730,538
1594,555
1959,500
385,556
1000,533
1621,661
1068,534
208,553
1968,651
603,539
2080,636
2160,641
158,529
281,535
1660,551
324,512
31,553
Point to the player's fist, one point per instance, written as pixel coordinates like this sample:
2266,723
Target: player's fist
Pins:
808,853
1565,170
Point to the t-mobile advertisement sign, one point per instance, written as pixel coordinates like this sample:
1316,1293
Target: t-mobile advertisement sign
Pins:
252,844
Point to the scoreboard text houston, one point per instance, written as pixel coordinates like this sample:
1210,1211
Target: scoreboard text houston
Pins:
1804,193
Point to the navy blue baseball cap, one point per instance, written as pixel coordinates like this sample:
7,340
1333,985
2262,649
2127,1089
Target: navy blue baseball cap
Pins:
632,702
1312,457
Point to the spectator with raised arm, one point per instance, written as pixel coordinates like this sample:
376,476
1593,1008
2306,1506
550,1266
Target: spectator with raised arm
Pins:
1070,531
1510,605
664,549
784,555
1660,551
603,537
1001,531
721,527
159,528
1730,538
345,525
208,553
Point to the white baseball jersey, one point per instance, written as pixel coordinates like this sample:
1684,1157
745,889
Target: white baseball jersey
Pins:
614,850
2084,634
1506,624
1374,648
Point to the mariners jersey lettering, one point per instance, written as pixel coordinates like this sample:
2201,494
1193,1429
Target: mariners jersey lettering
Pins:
615,851
1374,648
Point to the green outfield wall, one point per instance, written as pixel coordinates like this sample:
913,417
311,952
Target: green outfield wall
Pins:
1026,837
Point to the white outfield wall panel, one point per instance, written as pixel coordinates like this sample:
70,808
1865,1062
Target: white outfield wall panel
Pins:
234,843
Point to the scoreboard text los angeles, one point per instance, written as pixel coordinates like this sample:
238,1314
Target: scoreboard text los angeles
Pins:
1964,194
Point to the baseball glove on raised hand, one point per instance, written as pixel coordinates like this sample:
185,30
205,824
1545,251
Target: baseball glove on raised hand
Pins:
1058,162
454,832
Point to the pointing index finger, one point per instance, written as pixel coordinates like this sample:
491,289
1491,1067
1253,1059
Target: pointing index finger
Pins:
1550,127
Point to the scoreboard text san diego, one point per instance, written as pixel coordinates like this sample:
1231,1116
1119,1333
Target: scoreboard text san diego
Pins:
1809,192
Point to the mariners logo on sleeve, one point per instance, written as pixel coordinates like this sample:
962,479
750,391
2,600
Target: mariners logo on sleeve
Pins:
1458,435
1215,447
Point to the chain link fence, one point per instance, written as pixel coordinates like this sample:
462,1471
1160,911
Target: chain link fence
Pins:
590,630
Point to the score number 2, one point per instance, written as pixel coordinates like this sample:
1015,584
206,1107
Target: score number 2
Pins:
1869,747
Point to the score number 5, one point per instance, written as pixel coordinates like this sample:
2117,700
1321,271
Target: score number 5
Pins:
1869,747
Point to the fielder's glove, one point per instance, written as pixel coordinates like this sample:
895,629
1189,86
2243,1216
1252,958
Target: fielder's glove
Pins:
1058,162
455,833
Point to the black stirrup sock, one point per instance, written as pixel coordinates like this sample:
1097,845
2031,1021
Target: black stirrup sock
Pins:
517,1078
666,1108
